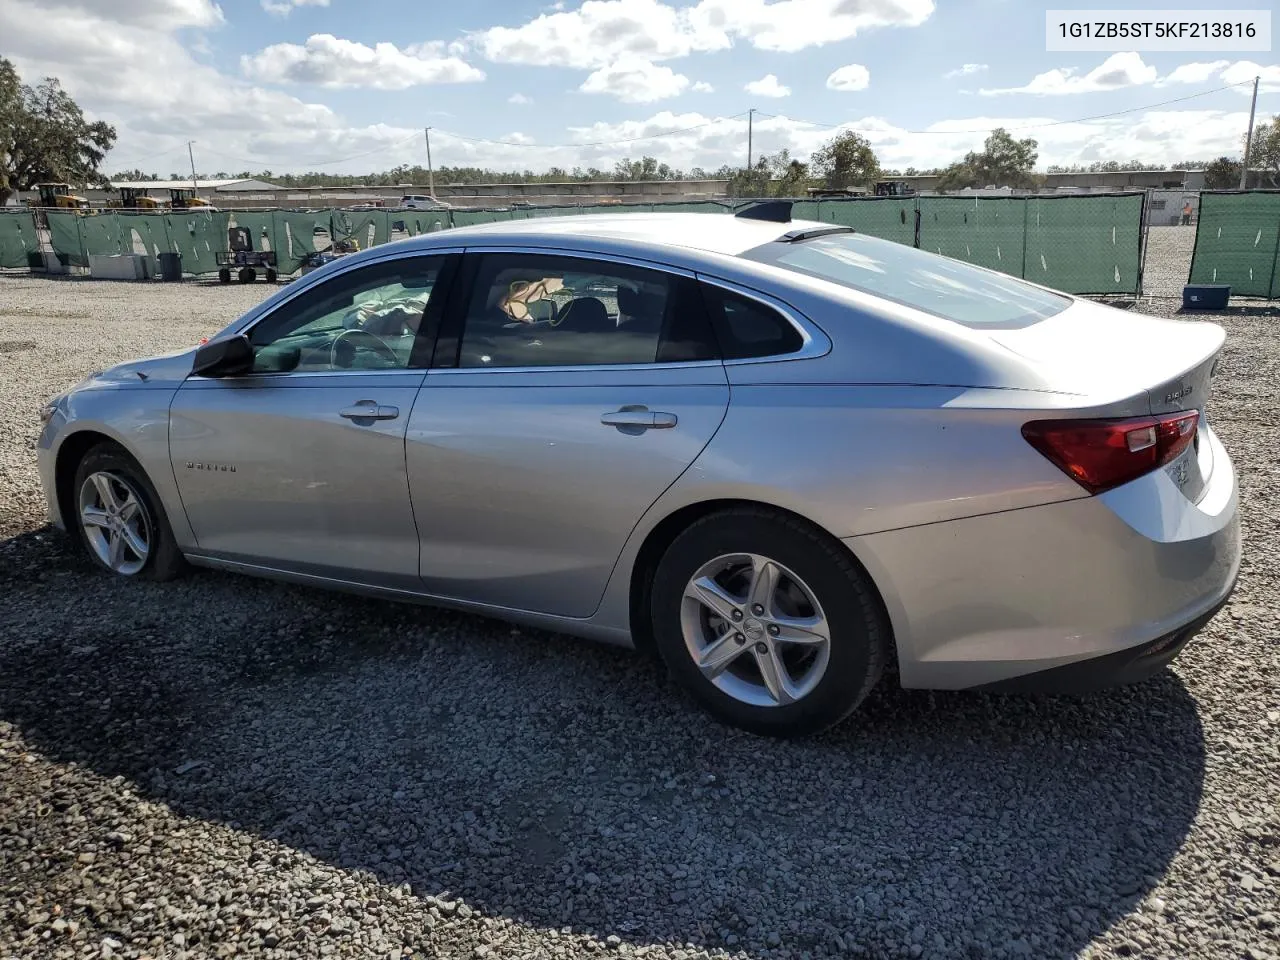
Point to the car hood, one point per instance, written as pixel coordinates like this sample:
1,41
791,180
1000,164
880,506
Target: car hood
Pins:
165,370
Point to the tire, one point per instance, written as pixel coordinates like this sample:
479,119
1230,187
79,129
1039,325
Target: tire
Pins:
271,275
820,589
247,275
224,275
128,482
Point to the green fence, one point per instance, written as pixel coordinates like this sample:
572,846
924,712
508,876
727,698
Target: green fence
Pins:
1079,244
1238,242
18,238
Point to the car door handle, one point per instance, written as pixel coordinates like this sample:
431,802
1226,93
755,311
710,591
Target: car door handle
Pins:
369,410
639,417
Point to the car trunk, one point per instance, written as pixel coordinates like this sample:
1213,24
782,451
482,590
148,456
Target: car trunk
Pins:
1116,355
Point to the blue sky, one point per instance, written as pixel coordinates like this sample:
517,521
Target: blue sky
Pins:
346,86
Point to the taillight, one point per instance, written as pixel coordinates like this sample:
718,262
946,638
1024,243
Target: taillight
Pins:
1101,454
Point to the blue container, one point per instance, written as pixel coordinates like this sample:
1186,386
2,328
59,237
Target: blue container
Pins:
1206,296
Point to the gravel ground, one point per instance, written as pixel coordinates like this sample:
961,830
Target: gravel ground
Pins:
227,767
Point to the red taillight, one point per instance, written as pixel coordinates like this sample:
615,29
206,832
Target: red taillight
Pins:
1101,454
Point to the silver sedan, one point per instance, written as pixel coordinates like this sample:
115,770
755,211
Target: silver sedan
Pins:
778,454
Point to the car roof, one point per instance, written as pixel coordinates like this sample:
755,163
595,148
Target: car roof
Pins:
709,232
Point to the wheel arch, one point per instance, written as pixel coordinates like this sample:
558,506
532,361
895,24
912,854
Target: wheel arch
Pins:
71,451
664,533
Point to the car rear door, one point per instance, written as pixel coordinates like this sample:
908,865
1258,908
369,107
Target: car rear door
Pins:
567,393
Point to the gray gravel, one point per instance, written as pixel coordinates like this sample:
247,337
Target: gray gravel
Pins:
226,767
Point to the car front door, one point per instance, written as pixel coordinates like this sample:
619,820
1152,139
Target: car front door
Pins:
299,463
566,395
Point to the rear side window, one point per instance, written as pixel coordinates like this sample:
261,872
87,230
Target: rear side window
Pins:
747,328
936,284
546,310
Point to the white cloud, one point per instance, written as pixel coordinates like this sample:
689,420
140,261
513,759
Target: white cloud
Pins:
703,87
964,70
636,80
329,61
282,8
1193,72
1118,70
1242,71
850,78
767,86
519,99
601,32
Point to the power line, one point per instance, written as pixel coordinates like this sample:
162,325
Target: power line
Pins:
1030,126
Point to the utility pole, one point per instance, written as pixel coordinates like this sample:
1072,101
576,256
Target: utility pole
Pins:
431,174
191,156
751,116
1248,140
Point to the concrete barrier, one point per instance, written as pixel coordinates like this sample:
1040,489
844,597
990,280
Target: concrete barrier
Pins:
128,266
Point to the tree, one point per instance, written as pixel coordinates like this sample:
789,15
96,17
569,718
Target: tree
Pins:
44,136
1264,155
847,160
135,175
1222,174
1003,162
647,168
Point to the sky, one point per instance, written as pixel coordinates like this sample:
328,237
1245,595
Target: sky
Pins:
347,86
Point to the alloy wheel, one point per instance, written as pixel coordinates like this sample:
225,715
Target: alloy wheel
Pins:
115,522
755,630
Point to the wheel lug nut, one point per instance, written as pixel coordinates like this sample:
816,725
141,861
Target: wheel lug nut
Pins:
739,638
762,648
737,614
757,609
773,629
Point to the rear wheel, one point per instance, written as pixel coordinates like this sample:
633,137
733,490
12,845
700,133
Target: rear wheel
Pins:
768,622
271,275
224,275
119,519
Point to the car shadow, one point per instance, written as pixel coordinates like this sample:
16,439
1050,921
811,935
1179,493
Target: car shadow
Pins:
561,783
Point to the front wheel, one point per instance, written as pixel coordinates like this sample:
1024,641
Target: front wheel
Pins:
271,275
119,519
768,622
224,275
247,275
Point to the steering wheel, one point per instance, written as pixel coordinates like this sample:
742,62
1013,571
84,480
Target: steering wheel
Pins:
378,345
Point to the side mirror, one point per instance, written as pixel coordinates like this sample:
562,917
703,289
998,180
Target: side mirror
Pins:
224,358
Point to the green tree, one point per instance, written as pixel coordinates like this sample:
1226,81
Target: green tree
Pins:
846,160
1002,162
1222,174
44,136
1264,155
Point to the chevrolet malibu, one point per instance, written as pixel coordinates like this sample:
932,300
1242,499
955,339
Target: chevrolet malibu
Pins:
781,455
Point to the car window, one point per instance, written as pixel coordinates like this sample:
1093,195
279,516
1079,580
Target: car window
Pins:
747,328
549,311
366,319
947,288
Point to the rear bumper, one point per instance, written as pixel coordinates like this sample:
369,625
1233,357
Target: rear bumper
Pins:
1069,595
1110,670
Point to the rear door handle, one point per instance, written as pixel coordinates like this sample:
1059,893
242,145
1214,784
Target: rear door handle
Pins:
369,410
639,417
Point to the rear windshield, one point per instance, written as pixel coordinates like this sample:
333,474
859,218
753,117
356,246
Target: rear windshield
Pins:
939,285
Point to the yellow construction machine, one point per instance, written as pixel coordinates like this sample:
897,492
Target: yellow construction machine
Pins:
184,198
57,196
133,198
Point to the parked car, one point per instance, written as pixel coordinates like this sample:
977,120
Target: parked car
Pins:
420,202
781,455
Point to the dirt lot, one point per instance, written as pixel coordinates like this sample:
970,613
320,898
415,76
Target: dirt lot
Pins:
225,767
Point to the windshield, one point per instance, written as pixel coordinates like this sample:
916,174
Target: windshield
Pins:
935,284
